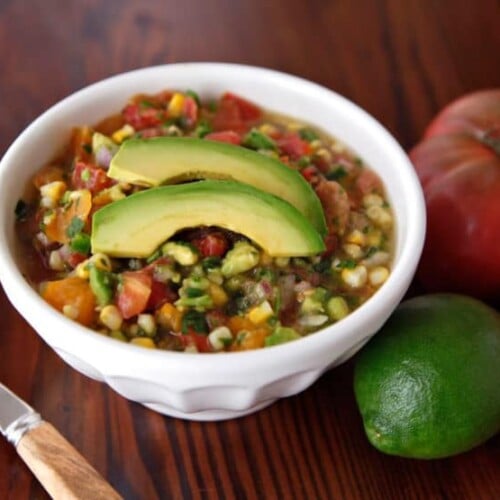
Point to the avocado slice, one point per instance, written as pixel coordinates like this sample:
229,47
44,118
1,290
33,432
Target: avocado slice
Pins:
137,225
168,160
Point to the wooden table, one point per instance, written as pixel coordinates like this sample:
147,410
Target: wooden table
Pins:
401,61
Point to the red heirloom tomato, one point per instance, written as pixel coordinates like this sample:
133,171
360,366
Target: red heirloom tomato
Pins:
458,162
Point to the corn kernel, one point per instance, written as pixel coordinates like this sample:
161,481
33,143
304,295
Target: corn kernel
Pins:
315,145
191,348
353,250
268,129
260,313
378,275
147,324
123,133
374,238
111,317
377,259
143,342
282,261
70,311
56,262
356,237
323,153
356,277
219,296
176,105
219,336
372,199
53,190
380,216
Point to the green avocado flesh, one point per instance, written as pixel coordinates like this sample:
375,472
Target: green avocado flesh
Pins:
137,225
168,160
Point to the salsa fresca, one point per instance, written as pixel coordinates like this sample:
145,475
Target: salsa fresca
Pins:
208,286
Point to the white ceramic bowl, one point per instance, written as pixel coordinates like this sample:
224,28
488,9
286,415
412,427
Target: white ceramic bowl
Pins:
219,386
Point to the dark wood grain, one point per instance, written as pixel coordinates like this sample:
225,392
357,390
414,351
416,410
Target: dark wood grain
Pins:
401,61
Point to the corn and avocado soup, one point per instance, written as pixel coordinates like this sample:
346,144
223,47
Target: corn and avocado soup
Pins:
205,226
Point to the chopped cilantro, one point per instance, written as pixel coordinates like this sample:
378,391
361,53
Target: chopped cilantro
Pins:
202,129
304,161
210,263
337,173
358,161
308,135
346,264
192,293
194,320
75,227
371,251
146,104
322,266
212,106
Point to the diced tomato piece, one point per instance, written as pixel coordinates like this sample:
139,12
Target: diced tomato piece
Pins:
75,258
235,113
161,293
311,174
216,318
47,174
229,136
142,117
88,176
293,145
200,340
133,293
247,110
212,245
190,110
368,182
56,228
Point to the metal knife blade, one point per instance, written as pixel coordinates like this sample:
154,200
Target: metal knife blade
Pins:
16,416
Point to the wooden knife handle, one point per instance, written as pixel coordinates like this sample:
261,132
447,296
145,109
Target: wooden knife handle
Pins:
61,470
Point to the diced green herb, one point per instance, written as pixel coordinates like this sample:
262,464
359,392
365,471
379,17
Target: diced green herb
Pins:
192,293
308,135
212,106
194,320
21,210
80,243
358,161
146,104
337,173
346,264
304,161
322,266
257,140
211,263
75,227
371,251
202,129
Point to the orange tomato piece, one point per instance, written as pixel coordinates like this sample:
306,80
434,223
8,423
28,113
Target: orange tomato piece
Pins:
58,224
81,143
238,323
253,339
73,297
49,173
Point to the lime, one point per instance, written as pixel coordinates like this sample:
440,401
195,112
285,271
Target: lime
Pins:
428,384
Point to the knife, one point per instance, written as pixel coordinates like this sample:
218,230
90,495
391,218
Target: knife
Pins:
61,470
